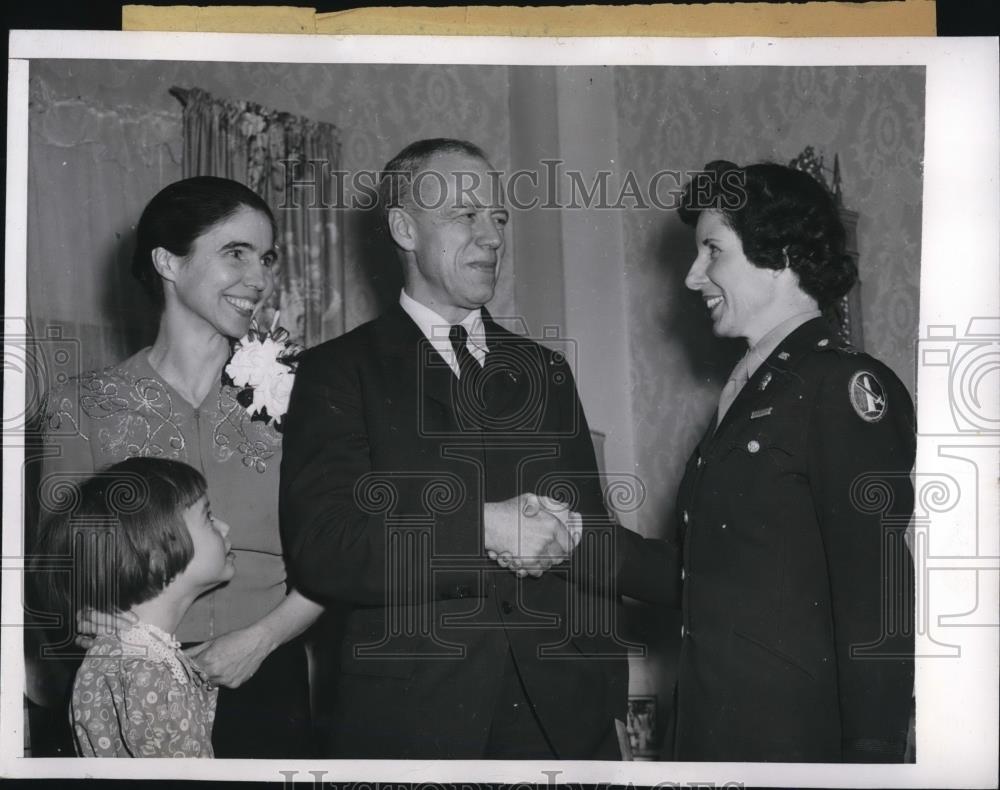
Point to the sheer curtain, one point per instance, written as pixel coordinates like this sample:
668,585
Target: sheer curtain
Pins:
254,145
91,168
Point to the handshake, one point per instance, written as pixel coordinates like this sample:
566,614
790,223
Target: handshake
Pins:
529,534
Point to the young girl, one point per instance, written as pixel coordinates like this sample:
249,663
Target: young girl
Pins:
143,544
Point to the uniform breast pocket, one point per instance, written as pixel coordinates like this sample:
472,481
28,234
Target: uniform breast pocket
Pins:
763,451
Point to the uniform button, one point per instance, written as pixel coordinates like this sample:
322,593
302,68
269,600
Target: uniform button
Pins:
506,607
683,575
723,526
753,446
700,462
687,518
683,632
823,343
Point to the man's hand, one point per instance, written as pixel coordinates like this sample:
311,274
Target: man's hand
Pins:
529,533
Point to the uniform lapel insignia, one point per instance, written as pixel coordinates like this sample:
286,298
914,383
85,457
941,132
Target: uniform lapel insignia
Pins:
765,381
783,356
761,413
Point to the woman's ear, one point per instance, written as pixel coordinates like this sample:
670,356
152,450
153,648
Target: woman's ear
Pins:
166,263
402,229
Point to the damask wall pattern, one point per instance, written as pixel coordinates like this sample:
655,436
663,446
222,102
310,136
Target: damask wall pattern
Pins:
378,109
667,118
681,118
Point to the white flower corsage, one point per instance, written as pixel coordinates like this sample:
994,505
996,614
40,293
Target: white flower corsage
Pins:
262,367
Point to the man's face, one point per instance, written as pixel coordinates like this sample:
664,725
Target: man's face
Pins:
457,235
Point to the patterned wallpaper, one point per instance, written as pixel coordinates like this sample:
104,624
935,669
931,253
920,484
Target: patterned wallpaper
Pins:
378,108
668,118
681,118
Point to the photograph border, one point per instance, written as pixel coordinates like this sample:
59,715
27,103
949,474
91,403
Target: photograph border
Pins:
957,709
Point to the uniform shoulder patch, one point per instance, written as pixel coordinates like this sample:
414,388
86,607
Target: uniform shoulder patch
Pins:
868,397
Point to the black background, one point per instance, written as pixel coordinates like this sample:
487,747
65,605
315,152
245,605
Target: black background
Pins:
954,17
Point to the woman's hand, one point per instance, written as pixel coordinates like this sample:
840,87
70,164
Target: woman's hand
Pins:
91,623
231,659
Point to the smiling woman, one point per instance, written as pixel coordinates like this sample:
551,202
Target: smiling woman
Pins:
204,252
796,584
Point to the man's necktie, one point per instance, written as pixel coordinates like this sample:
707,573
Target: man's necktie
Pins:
459,343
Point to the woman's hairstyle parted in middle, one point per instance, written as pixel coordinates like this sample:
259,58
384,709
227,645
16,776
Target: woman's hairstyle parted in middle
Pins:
181,212
783,216
124,531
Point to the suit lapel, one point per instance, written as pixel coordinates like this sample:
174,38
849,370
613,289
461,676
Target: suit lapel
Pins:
414,363
505,376
709,436
411,360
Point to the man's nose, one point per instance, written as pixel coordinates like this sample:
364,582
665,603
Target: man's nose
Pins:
490,234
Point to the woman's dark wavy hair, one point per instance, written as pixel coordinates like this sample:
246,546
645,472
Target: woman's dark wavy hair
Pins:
783,217
181,212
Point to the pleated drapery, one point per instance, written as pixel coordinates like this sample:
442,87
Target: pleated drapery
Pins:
264,149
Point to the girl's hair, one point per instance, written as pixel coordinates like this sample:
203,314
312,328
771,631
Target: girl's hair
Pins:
181,212
784,217
124,533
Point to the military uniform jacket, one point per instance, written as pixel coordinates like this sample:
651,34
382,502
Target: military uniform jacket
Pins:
387,464
797,643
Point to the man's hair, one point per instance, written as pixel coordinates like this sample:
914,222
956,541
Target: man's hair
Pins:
397,177
124,531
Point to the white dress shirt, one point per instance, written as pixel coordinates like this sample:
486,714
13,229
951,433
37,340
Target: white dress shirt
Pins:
436,330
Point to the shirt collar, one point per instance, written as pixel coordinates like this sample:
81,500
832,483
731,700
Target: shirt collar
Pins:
436,329
764,347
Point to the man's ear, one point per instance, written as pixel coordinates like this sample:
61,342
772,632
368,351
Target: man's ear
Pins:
166,263
402,228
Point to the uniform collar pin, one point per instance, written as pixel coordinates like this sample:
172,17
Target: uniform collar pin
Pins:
765,381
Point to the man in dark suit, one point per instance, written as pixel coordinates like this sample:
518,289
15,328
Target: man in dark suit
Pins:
416,447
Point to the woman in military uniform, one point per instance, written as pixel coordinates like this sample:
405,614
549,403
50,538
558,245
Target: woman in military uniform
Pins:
796,584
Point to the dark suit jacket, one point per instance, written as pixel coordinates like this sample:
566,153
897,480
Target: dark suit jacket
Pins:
386,466
798,590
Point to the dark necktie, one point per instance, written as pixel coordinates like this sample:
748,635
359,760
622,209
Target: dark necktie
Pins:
459,343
